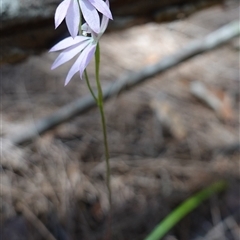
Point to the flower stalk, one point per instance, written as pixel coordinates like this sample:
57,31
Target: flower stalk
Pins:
103,121
89,86
84,42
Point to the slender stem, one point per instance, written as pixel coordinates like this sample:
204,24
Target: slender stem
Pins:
101,108
89,86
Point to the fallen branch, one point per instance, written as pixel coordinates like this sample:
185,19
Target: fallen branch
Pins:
81,105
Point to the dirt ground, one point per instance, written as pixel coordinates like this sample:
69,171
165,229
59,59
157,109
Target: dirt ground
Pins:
54,187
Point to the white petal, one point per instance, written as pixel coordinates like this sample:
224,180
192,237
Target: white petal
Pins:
73,18
102,7
86,57
90,15
68,54
68,42
105,21
104,24
74,69
61,12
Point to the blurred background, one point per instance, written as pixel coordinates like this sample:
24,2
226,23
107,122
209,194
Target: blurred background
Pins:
166,141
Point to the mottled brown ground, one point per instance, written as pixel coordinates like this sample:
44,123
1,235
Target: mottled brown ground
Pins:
58,179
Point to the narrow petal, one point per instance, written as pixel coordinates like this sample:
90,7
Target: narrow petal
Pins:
104,24
90,15
102,7
68,54
68,42
61,12
73,70
73,18
86,56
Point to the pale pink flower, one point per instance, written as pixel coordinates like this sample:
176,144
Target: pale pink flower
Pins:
69,9
84,45
89,10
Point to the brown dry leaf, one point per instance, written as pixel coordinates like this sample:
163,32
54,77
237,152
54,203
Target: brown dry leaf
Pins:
216,99
226,110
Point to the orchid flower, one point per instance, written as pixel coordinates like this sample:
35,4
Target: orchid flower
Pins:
69,9
84,42
84,45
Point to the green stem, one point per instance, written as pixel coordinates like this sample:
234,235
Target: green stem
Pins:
101,108
186,207
89,86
